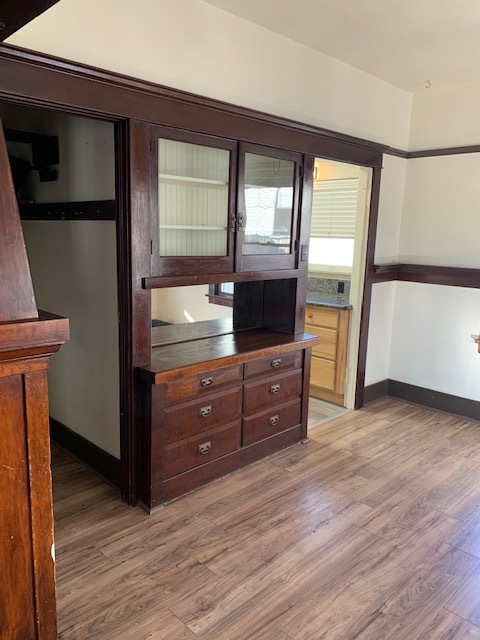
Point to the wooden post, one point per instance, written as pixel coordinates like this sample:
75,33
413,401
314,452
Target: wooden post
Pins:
27,340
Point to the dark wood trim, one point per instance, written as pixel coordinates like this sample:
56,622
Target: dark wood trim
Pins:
428,274
42,80
448,151
367,289
386,272
399,153
434,399
88,210
217,278
432,153
15,14
375,391
104,464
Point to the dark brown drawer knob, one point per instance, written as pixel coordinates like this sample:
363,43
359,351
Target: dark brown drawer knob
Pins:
274,420
206,382
275,388
205,411
205,447
276,362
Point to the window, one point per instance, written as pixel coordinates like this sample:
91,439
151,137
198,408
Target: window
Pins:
334,214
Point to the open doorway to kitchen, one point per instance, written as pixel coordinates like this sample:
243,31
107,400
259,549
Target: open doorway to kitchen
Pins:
336,268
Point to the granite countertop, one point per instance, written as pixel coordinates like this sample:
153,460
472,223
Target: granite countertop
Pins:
319,300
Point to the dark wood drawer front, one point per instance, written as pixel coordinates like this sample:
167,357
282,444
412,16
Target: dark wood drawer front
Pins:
201,415
283,362
198,450
272,421
201,384
272,392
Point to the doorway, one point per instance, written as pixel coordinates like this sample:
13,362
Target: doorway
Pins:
336,269
64,174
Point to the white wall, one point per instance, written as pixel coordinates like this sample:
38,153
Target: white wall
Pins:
73,267
445,117
191,45
380,332
74,273
441,211
433,346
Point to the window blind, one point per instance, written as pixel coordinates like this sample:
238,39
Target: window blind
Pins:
334,208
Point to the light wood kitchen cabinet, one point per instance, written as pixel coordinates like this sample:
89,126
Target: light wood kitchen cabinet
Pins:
329,357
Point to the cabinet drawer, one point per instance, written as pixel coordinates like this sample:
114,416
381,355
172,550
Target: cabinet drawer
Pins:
328,341
272,391
197,450
201,384
321,317
203,414
283,362
322,373
272,421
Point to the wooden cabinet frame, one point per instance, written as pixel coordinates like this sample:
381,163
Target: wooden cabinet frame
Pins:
43,81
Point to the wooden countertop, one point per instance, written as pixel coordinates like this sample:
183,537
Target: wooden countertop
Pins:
174,361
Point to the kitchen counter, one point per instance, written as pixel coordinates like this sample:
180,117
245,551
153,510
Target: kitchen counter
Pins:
318,300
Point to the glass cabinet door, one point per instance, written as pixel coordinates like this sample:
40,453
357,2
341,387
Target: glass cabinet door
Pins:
267,208
195,178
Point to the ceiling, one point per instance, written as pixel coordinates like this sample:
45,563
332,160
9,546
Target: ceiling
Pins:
412,44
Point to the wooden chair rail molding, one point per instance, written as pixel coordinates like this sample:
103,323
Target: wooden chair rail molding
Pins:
427,274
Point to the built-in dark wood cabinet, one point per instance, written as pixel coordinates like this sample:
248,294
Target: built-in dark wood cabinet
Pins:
221,206
213,405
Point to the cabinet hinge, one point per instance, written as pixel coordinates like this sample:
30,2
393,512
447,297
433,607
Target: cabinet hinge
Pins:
151,247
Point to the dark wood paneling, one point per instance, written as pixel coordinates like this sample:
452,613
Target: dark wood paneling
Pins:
14,14
367,289
52,82
434,399
279,299
428,274
103,463
17,300
89,210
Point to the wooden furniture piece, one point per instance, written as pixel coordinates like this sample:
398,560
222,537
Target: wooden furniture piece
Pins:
329,357
221,205
216,404
27,340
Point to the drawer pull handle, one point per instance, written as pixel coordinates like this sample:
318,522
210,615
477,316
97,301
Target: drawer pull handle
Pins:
206,382
205,411
273,420
276,362
275,388
205,447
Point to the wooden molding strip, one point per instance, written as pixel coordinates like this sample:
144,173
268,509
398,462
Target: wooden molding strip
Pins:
431,153
425,397
88,210
104,464
428,274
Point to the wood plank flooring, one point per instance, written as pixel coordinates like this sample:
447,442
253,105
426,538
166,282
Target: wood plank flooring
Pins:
370,531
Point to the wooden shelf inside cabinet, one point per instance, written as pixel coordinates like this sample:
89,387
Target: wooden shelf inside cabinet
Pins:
88,210
189,181
191,227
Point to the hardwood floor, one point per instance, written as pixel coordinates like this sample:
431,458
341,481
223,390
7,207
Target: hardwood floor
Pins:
370,531
320,411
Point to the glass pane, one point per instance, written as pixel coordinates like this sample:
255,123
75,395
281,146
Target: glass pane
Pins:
192,199
269,186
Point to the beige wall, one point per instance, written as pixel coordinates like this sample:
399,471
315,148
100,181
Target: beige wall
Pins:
194,46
